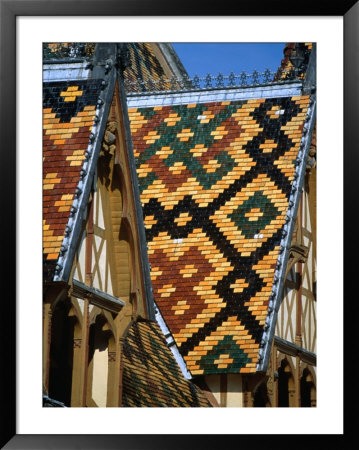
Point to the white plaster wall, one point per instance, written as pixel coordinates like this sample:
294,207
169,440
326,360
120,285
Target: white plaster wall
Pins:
108,280
308,302
81,304
213,383
98,261
79,272
101,269
285,327
234,391
100,371
98,212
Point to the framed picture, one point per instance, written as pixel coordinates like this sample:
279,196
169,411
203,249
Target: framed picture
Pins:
134,427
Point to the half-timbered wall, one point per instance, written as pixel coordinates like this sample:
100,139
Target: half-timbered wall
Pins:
227,389
108,260
297,315
286,316
309,268
292,371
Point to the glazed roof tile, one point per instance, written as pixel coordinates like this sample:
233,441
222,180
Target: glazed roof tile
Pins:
68,115
75,108
217,183
143,66
151,376
217,186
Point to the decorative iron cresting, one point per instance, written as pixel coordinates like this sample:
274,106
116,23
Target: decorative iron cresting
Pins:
209,82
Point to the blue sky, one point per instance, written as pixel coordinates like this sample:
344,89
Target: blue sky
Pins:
203,58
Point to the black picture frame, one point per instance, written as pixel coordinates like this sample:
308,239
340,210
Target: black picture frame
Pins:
9,10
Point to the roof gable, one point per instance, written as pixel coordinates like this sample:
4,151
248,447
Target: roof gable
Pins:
218,184
76,102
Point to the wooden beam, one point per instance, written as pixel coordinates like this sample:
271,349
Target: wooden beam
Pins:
291,349
97,297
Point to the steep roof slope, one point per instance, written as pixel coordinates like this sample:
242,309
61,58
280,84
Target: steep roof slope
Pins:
152,66
76,104
73,126
151,376
219,184
143,66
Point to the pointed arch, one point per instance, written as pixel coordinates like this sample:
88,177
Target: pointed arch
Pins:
66,334
260,395
102,350
308,391
286,384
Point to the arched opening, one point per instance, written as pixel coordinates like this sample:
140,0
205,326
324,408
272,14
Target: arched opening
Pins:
286,385
62,352
307,390
98,362
260,397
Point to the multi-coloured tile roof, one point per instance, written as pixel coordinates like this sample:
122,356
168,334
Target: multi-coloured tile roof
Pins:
68,116
151,376
215,181
71,123
142,72
143,66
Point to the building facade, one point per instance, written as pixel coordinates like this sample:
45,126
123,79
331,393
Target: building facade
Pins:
179,231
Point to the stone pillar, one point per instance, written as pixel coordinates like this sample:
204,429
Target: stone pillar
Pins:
113,378
291,395
76,391
84,352
120,370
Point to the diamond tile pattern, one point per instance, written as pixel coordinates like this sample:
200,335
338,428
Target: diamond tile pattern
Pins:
215,180
151,376
68,113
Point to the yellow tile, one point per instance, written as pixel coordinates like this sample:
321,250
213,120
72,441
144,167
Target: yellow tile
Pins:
52,256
